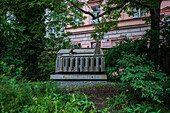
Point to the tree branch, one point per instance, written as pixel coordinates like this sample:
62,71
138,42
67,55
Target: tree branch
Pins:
109,10
95,17
139,3
86,12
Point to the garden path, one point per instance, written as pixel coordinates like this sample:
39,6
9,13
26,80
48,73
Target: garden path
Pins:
81,83
97,91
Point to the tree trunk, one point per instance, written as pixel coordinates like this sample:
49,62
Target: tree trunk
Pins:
155,31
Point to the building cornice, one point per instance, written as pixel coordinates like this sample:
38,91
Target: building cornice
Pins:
165,8
120,28
92,25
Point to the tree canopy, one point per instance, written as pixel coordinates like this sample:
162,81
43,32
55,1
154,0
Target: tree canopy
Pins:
24,24
112,11
23,28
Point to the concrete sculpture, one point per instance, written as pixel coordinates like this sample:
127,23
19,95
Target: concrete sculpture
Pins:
80,64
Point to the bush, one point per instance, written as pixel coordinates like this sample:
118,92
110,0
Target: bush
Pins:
111,74
141,75
121,104
137,47
19,96
47,58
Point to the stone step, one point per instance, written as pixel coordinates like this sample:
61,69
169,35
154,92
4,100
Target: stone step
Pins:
78,76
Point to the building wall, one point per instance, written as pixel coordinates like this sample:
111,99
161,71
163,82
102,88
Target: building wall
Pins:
128,26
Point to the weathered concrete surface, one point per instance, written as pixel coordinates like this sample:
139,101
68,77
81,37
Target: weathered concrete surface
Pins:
78,84
79,77
80,64
80,60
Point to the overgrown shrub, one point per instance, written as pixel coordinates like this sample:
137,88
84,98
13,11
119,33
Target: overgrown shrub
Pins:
122,104
137,47
47,58
131,46
141,75
19,96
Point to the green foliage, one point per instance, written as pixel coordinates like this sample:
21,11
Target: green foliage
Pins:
141,75
121,104
110,71
137,47
117,103
165,32
48,57
112,12
22,44
23,27
20,96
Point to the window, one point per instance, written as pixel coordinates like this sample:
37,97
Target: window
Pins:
167,19
10,16
138,13
93,44
52,32
77,21
166,23
114,43
76,45
77,18
96,11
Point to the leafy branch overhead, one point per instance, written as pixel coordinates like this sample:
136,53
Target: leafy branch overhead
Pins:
120,5
100,15
111,12
24,38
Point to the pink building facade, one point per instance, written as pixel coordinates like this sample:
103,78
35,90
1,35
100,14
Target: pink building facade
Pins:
131,27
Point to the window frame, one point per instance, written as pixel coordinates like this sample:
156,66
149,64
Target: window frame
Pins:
79,19
139,13
93,44
52,32
98,12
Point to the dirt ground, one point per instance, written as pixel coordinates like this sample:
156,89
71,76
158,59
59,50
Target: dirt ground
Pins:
99,93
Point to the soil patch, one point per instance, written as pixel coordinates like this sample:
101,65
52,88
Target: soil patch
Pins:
98,93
